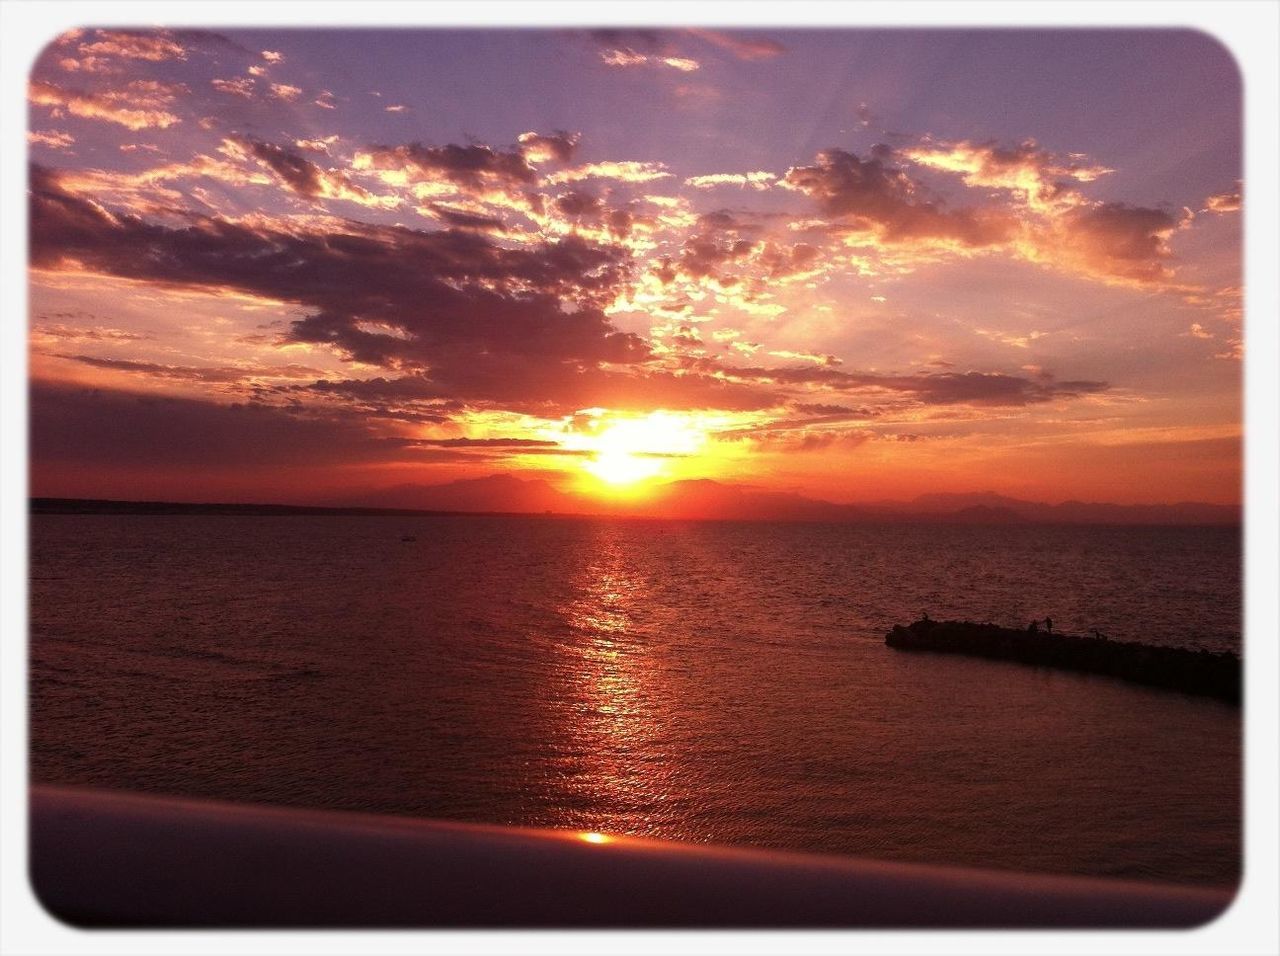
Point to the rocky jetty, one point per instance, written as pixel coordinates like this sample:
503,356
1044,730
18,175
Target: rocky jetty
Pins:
1172,668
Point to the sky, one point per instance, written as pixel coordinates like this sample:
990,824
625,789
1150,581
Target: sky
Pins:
862,265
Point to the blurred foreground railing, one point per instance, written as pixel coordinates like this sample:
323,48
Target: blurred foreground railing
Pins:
106,858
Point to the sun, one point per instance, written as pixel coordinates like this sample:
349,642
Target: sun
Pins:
623,452
620,467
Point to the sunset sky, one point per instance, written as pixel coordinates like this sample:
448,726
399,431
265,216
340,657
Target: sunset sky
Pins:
288,266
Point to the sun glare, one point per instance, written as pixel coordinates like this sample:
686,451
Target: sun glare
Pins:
626,451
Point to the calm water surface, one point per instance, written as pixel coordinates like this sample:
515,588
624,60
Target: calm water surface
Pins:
716,682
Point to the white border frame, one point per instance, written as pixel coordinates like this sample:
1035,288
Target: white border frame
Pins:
1250,30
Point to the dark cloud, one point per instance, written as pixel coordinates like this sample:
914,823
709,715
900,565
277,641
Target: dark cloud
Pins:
578,204
401,298
540,148
461,219
519,443
179,372
193,373
473,168
299,174
483,319
101,428
874,193
931,388
1128,242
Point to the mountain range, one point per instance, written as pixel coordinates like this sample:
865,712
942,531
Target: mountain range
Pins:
707,499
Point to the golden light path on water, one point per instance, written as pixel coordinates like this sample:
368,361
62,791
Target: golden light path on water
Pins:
617,708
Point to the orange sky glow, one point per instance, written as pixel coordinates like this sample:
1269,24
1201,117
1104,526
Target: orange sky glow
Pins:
301,266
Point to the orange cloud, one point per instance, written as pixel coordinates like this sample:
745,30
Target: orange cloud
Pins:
239,86
624,171
151,45
755,180
1228,201
139,106
1031,173
624,58
54,139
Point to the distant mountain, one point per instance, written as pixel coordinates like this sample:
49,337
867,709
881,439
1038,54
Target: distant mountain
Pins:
980,514
699,499
1070,512
704,498
707,499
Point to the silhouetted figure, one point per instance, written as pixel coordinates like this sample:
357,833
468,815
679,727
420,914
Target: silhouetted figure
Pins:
1048,623
1033,627
924,615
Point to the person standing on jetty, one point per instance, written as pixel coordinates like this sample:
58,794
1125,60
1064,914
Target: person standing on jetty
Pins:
1048,623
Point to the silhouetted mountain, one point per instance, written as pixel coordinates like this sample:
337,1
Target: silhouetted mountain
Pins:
707,499
704,498
1070,512
980,514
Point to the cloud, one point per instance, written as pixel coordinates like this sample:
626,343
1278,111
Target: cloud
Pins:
140,105
97,333
481,319
318,145
1038,178
283,91
932,388
874,196
474,169
100,428
241,86
151,45
305,177
1227,201
1110,241
876,204
192,373
624,58
461,219
54,139
665,48
537,148
627,171
742,47
760,179
272,56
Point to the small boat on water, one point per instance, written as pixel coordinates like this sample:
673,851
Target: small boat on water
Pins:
408,537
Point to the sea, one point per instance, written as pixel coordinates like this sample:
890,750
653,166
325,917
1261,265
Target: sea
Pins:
708,682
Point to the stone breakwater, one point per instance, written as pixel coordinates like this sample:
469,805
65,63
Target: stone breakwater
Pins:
1171,668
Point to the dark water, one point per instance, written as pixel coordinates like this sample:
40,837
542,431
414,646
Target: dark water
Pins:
706,682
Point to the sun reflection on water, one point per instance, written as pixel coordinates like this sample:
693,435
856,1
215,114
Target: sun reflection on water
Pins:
617,709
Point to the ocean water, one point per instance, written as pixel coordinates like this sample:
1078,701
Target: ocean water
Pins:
708,682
